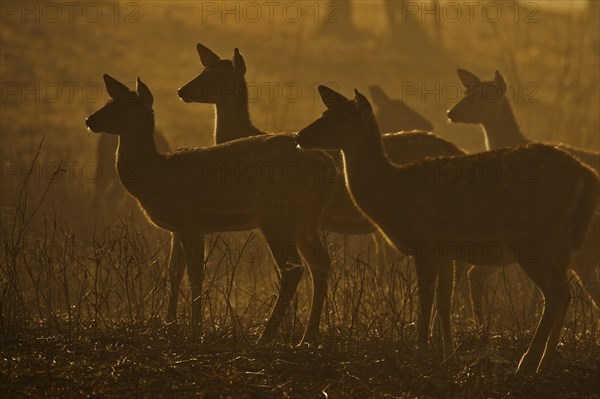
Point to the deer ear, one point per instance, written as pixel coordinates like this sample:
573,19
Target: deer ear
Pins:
207,57
330,97
364,106
378,95
239,66
499,80
114,87
467,78
144,93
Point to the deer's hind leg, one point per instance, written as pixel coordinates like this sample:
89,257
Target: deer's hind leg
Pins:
444,293
550,275
426,274
476,279
282,244
176,268
315,253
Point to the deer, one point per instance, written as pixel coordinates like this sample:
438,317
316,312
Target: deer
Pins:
222,83
192,192
444,209
486,103
395,115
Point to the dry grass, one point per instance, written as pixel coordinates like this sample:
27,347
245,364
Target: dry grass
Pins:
83,291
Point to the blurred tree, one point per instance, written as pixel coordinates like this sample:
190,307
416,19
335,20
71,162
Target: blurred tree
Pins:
406,22
336,19
593,11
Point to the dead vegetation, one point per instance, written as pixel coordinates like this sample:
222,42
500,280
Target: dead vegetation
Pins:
83,316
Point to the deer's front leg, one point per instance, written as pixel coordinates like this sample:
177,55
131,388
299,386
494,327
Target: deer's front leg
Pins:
426,274
193,248
315,253
176,268
284,250
476,278
445,291
551,278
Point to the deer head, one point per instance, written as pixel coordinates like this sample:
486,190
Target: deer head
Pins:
219,81
125,112
342,125
395,115
482,99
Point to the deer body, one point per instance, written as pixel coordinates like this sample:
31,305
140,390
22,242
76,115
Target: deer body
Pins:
222,196
450,221
435,216
485,103
235,186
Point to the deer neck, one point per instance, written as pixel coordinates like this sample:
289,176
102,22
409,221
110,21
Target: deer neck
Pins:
232,115
136,154
365,163
503,130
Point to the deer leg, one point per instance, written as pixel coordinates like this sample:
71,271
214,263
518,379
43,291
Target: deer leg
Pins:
586,261
315,253
388,255
476,278
563,298
176,268
193,248
445,287
552,282
589,285
381,260
379,255
461,270
290,271
426,274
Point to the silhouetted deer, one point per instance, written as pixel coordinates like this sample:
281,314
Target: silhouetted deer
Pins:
435,209
222,82
394,115
191,192
486,103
